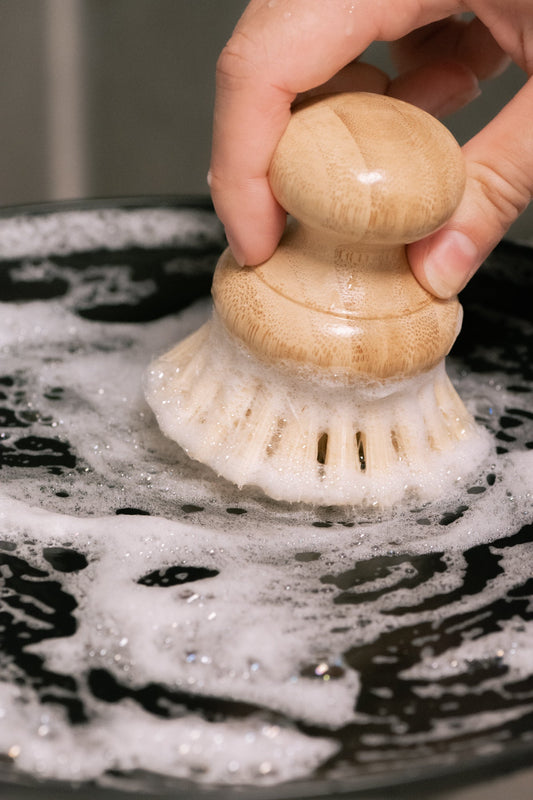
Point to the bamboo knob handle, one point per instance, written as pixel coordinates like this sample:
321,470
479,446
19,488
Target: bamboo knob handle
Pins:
369,168
362,175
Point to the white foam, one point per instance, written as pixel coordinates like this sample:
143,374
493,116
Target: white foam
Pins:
126,738
41,235
247,634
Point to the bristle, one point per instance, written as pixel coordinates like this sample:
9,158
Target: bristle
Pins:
413,437
253,436
259,425
440,437
382,453
457,418
299,443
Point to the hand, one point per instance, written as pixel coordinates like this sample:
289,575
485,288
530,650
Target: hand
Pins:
283,49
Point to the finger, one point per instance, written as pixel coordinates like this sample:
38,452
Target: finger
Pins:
439,87
279,49
469,43
357,76
499,162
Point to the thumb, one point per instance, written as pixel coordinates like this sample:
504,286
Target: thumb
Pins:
499,184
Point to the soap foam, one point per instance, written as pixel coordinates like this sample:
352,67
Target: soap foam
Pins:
273,630
69,232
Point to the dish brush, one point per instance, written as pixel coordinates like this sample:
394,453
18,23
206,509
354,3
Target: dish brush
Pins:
320,376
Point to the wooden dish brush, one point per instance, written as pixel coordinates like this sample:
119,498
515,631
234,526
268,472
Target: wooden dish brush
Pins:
320,377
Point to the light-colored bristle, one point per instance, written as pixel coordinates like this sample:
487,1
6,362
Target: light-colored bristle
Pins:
298,441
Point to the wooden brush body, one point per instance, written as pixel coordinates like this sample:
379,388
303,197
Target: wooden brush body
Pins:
320,377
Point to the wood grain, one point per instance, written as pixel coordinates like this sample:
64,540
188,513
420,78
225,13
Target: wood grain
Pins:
361,175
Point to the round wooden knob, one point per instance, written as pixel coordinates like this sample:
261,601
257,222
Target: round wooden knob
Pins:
362,175
368,167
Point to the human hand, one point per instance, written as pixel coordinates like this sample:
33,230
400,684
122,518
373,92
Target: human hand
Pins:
282,49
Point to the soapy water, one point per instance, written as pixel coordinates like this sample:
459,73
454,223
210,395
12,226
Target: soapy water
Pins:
154,619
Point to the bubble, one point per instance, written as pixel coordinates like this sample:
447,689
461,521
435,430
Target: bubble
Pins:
199,631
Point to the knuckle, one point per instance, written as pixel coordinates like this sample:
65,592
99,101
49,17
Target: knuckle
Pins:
504,188
217,183
235,63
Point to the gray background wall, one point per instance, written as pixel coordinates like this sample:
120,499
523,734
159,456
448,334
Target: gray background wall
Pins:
114,97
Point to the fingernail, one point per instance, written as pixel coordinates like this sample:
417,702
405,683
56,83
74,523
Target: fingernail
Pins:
457,102
450,263
237,252
209,178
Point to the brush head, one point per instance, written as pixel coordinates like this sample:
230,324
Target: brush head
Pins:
320,377
311,441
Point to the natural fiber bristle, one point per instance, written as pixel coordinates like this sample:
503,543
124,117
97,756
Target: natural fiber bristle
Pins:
258,425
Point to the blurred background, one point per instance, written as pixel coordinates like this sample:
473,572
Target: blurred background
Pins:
106,98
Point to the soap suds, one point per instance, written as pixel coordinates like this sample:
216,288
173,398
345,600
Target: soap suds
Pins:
77,231
215,635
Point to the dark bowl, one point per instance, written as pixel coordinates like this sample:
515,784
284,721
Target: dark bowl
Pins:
165,250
